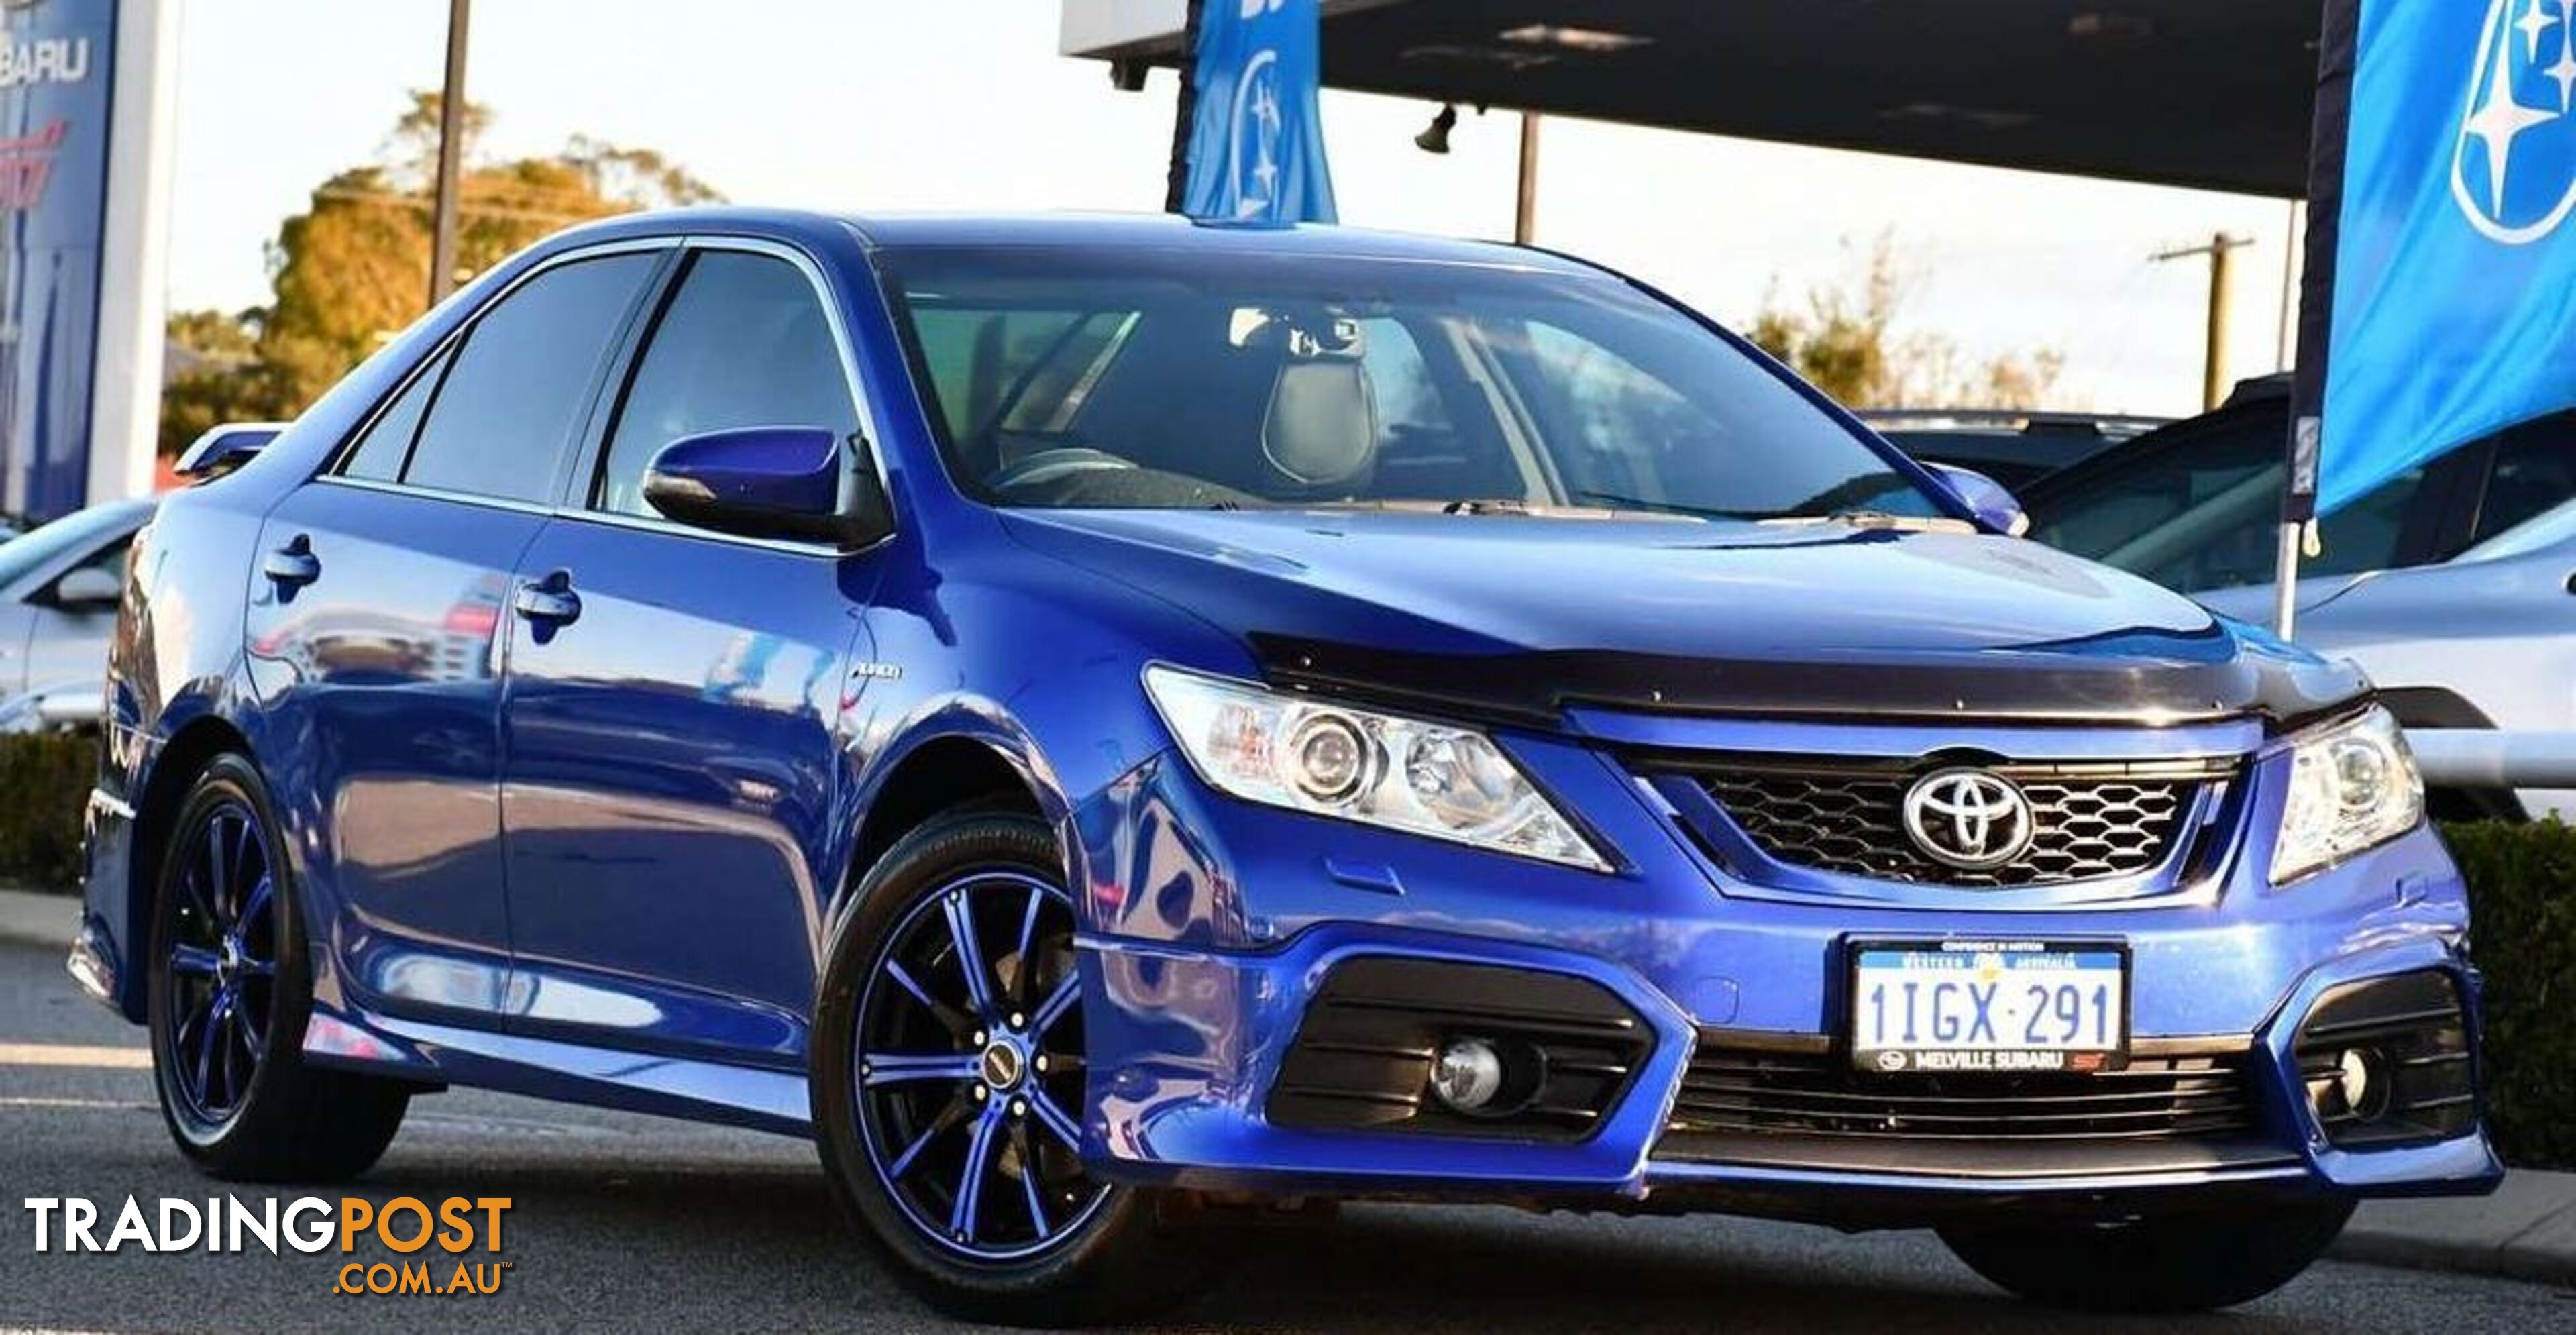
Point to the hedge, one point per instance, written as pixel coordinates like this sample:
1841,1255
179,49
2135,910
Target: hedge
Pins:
2522,932
44,781
2522,885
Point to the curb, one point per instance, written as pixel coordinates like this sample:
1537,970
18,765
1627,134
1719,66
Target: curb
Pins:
2525,1231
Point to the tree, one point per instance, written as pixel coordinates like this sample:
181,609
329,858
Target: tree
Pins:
353,269
1846,341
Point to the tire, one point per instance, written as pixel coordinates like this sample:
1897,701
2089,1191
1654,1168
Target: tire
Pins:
2177,1263
229,989
914,1109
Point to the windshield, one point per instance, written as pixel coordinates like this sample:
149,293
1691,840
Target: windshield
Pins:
1163,378
82,532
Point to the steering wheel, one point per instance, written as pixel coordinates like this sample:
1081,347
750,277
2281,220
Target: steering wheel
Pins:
1048,465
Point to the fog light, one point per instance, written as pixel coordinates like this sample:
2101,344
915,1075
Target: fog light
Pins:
1468,1076
2361,1078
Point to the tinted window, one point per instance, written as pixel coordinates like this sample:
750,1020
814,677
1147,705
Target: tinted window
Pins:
743,342
380,452
2535,472
505,415
2198,507
1170,378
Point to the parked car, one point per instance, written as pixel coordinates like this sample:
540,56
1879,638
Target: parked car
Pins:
1101,723
58,589
2013,447
2449,584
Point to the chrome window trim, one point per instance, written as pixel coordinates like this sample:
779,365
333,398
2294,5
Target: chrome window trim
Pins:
578,508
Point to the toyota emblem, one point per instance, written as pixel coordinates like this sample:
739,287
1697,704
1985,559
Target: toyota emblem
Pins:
1968,818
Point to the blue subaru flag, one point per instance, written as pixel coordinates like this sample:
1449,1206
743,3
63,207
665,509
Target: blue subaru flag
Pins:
2454,277
1256,146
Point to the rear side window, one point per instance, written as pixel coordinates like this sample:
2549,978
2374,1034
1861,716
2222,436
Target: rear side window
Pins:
743,342
505,414
387,442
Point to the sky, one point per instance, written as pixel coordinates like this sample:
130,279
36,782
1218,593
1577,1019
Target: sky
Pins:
910,104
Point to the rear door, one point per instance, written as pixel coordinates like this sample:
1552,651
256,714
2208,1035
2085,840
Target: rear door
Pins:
670,732
376,632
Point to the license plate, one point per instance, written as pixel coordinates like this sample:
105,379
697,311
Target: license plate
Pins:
1989,1006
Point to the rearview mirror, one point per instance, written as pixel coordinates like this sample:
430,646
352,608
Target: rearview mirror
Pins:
1993,505
770,482
88,589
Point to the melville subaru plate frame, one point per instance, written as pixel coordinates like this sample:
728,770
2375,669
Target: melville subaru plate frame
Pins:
2000,1059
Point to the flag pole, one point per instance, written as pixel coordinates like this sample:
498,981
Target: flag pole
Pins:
2332,129
1185,112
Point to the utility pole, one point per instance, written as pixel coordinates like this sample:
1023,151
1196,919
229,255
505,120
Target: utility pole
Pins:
451,154
1525,214
2213,374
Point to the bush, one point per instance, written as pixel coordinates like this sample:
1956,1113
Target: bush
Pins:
2522,929
45,780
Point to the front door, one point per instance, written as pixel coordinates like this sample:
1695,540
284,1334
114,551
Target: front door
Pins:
671,728
376,640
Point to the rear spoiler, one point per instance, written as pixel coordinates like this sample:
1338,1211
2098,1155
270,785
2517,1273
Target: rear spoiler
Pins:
225,448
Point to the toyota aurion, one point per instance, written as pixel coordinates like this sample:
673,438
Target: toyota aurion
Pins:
1112,726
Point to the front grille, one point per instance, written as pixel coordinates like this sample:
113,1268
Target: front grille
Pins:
1735,1092
2089,822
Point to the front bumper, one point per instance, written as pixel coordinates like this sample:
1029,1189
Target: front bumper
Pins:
1213,925
1189,1046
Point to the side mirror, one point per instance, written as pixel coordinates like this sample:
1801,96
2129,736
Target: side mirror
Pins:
1986,498
225,448
88,589
770,482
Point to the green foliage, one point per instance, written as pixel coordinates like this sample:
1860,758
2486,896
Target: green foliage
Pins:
353,269
2522,891
44,783
1846,342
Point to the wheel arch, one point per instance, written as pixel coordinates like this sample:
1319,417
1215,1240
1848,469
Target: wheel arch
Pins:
165,786
955,760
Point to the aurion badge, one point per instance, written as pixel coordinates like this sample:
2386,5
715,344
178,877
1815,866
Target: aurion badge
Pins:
2513,163
1968,818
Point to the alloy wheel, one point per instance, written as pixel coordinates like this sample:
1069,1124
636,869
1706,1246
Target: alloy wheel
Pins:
221,964
969,1065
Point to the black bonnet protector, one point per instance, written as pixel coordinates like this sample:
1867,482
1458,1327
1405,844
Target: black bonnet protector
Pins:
2152,678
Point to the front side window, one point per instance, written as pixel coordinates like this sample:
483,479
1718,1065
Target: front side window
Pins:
742,342
1165,378
504,415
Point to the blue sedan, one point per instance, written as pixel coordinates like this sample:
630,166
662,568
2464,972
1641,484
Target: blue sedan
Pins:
1108,724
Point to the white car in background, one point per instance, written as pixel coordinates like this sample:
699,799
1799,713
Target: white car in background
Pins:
2453,585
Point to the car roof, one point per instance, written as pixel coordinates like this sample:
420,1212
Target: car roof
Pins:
1111,231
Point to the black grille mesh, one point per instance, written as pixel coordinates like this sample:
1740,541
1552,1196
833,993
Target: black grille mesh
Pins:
1738,1093
2087,827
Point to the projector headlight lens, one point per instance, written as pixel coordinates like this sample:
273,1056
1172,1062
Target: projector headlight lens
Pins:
1360,765
2353,786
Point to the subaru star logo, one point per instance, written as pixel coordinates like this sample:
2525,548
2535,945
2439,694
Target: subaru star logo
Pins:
1968,818
1252,156
2513,162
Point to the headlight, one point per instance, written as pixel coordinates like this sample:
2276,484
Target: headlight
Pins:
1378,769
2352,786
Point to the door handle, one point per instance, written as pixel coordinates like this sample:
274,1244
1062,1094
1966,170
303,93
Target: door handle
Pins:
550,601
293,565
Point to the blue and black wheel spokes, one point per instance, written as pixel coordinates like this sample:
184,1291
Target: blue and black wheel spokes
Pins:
222,962
969,1068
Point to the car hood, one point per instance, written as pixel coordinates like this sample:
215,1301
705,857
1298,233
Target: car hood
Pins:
1526,616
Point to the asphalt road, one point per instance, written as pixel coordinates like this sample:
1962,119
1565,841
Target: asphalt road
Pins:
624,1222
